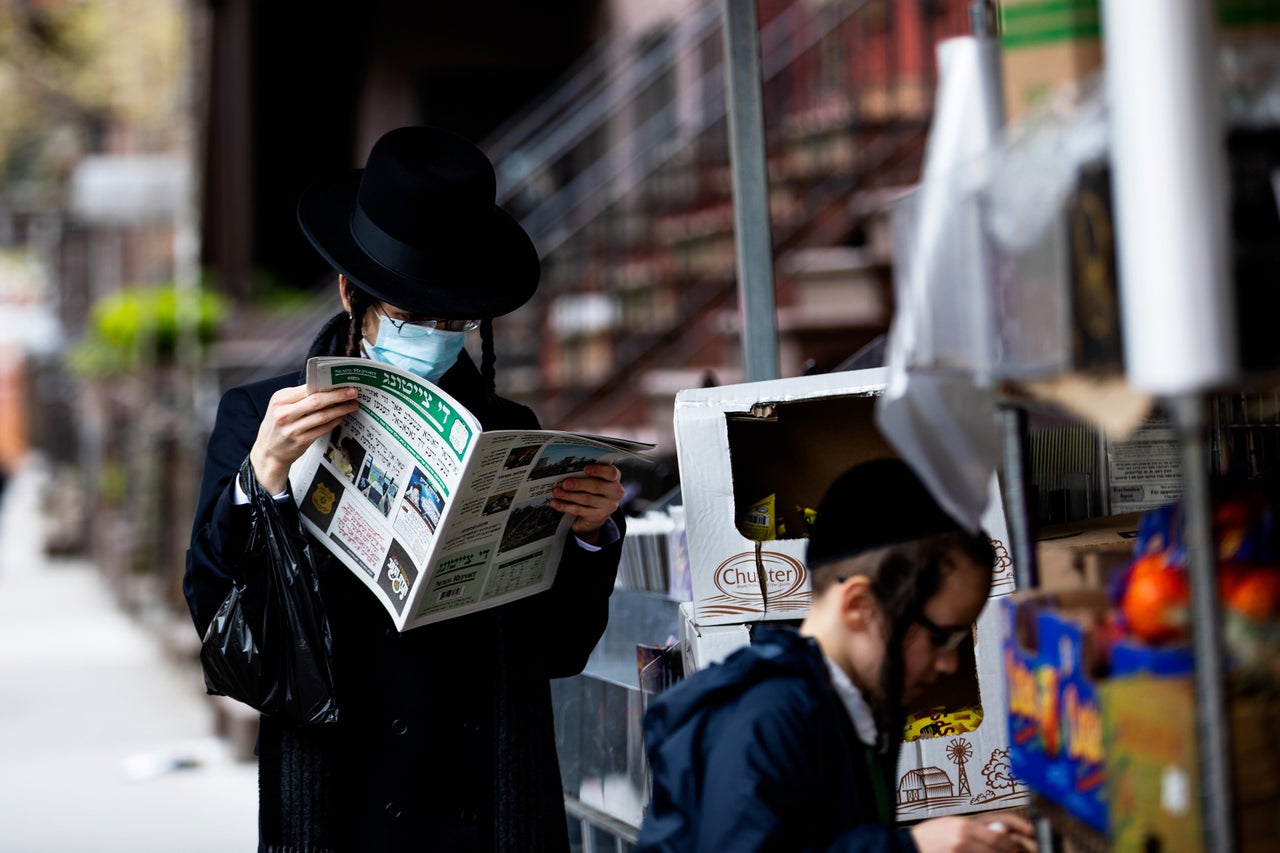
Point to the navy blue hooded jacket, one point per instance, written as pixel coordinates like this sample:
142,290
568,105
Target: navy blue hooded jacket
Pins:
759,754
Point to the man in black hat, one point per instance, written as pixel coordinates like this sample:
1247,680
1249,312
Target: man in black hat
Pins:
444,739
792,743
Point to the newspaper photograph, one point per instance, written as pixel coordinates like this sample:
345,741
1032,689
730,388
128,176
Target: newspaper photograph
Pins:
437,516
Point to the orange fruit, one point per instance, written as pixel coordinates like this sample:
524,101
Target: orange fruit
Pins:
1255,593
1156,602
1229,577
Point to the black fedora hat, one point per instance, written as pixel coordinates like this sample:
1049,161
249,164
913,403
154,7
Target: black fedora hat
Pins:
418,228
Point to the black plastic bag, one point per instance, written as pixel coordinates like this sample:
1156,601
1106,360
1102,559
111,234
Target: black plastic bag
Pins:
269,645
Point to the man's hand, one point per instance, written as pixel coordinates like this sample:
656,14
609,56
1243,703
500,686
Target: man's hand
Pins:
591,497
295,419
1004,833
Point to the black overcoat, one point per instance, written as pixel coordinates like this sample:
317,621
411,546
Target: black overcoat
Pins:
445,739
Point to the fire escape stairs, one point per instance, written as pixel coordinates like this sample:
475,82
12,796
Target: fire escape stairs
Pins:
829,221
598,136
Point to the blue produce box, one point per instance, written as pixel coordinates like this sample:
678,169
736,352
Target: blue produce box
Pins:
1055,721
1131,658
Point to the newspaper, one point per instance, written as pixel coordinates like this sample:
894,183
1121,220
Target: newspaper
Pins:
438,517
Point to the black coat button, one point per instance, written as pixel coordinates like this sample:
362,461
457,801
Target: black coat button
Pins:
399,727
393,809
468,817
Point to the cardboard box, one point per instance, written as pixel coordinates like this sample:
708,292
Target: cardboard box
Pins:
1245,24
790,438
968,772
1255,771
1153,772
738,445
1044,45
1084,554
703,645
1054,715
1058,680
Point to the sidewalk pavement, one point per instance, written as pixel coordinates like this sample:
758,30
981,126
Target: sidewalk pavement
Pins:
106,742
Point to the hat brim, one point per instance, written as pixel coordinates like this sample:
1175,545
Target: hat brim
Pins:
488,274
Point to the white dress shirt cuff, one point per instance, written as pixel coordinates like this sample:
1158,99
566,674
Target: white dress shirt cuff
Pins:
608,535
239,498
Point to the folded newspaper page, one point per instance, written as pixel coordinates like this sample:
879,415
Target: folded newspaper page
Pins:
438,517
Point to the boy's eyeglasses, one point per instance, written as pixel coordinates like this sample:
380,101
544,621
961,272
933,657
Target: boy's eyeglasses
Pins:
943,640
424,327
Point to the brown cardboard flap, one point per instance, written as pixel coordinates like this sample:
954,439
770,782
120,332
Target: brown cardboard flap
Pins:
794,450
1085,553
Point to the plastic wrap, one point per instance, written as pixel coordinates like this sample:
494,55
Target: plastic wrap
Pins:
938,406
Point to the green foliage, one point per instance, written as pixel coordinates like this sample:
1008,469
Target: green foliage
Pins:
112,483
142,326
272,293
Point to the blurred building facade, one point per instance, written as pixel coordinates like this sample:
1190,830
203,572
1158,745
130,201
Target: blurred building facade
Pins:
96,200
606,120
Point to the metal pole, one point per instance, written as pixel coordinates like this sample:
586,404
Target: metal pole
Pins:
1015,484
1015,444
1103,480
1206,620
982,19
1015,488
754,242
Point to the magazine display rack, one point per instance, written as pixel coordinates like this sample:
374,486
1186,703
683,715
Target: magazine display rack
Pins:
1194,191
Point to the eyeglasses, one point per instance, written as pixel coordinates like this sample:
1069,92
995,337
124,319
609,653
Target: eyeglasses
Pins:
943,640
424,327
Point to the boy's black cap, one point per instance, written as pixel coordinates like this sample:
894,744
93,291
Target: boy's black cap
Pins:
873,505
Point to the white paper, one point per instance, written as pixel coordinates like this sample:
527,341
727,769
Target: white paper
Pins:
942,338
1169,163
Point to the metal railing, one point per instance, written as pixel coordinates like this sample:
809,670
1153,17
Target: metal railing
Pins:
600,97
645,112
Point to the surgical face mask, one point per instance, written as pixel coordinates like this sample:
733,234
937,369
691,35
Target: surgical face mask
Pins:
425,352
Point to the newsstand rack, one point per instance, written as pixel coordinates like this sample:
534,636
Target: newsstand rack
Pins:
1200,409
